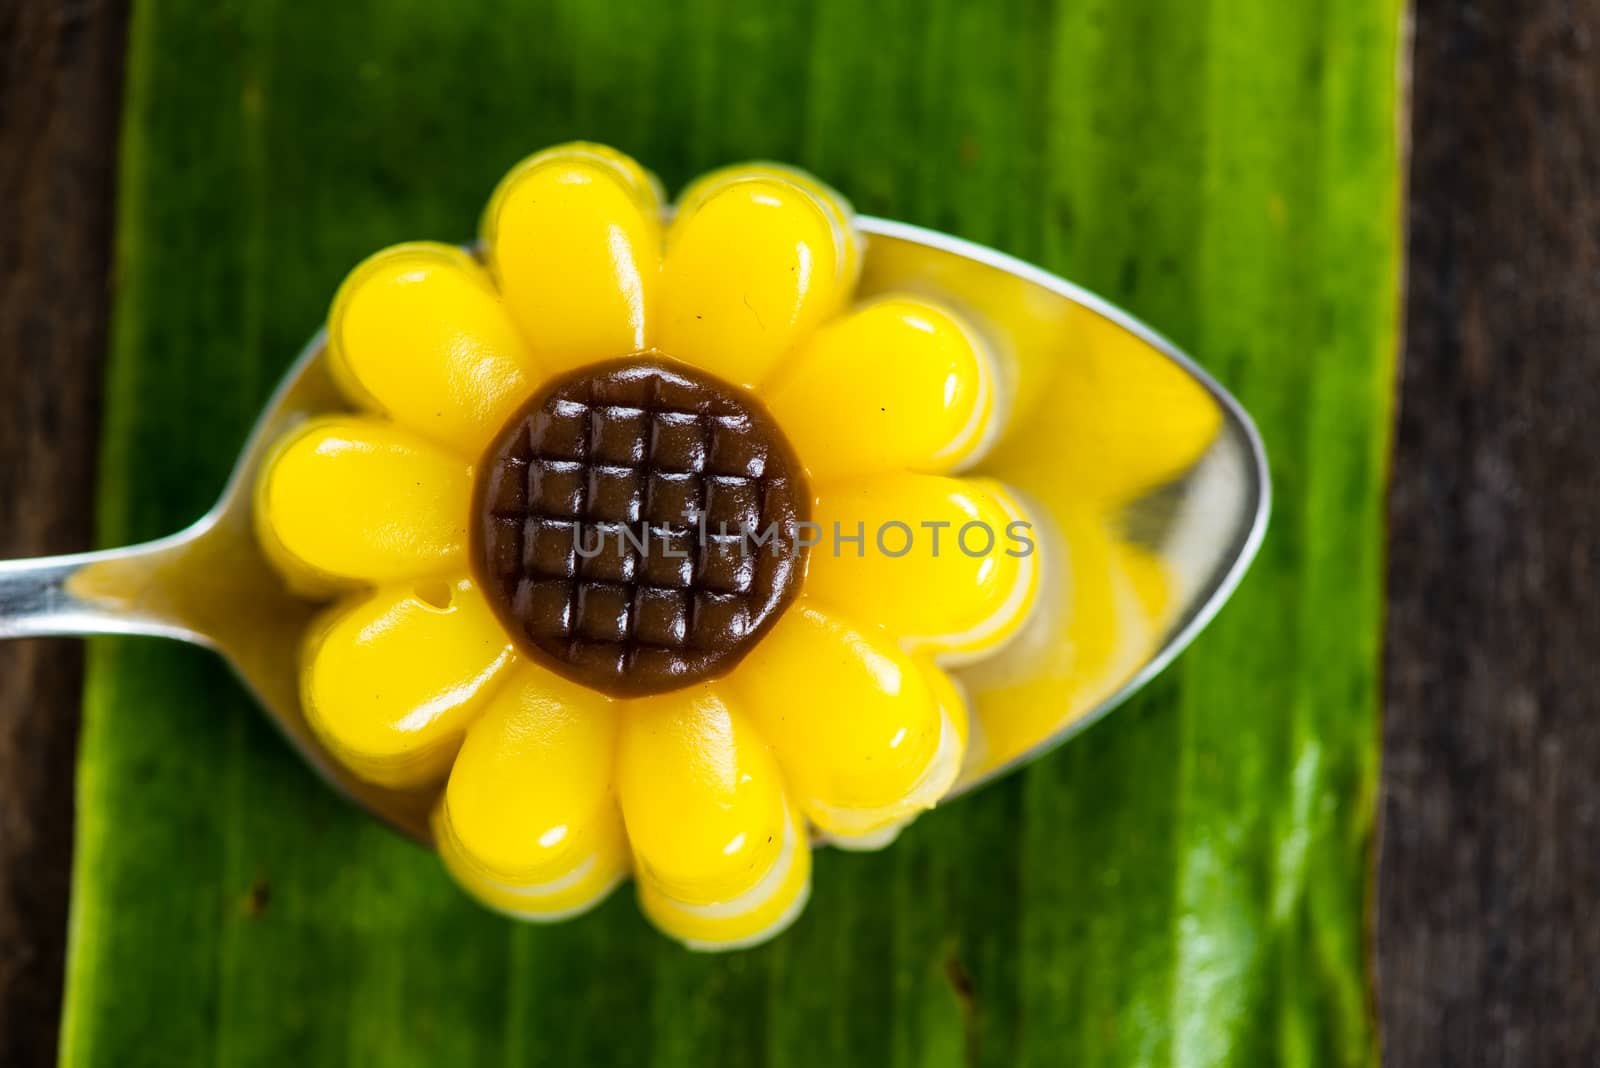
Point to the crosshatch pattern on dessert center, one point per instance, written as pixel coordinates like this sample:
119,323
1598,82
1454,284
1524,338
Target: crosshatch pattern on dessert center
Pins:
616,519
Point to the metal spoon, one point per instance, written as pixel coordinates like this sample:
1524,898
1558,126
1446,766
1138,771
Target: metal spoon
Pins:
210,585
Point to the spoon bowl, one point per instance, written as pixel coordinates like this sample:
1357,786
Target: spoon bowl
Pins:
1133,571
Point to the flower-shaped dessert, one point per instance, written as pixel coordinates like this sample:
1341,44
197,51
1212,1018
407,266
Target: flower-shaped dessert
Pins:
647,542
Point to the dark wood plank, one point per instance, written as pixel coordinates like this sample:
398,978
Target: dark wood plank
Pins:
60,81
1489,879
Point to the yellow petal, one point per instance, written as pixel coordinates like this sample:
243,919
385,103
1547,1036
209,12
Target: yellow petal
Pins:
701,795
529,817
952,701
356,498
899,384
859,729
533,779
830,199
418,331
391,679
574,239
352,497
755,261
581,888
766,913
943,564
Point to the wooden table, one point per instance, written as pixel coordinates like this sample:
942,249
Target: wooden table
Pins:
1488,906
1488,889
60,83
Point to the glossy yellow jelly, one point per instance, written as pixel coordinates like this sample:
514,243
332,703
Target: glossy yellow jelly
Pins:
859,727
841,722
702,796
574,238
768,908
542,748
422,335
908,373
752,266
393,678
529,818
355,498
951,562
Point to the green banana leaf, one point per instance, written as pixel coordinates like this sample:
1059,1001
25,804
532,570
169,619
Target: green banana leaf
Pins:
1184,884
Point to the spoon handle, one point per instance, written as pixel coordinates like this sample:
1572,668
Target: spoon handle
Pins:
112,591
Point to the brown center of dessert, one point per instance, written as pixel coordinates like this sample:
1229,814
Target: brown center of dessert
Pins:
636,525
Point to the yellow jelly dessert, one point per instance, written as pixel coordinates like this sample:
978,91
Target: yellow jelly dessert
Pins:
651,544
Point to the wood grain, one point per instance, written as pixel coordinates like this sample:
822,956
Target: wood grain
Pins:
1489,885
60,74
